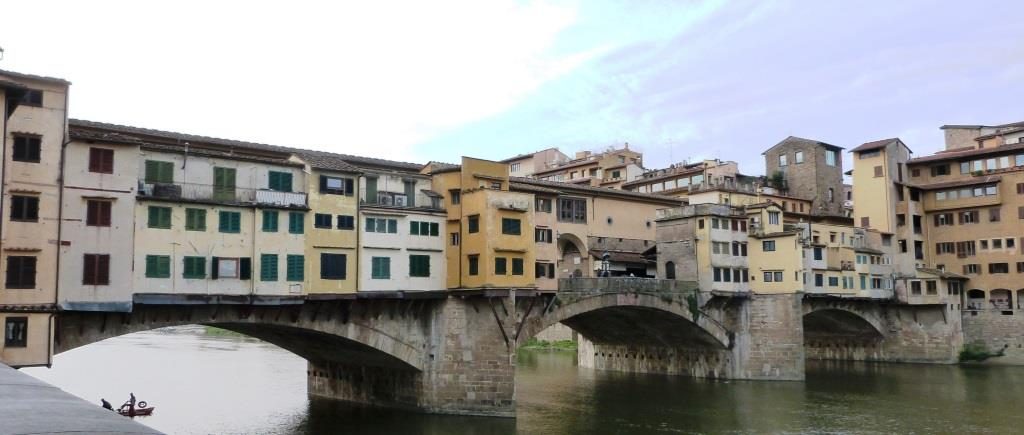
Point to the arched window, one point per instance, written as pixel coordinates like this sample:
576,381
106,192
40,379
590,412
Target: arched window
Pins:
670,270
831,195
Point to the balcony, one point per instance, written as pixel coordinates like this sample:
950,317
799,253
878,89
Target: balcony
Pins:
388,199
223,195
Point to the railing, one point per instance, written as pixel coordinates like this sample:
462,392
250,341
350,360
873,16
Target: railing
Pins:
400,199
625,285
227,195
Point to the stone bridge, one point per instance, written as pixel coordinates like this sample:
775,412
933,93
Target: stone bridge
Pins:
454,351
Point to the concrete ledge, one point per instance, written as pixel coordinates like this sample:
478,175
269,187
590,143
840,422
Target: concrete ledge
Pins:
31,406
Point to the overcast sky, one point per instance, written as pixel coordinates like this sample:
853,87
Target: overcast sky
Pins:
418,81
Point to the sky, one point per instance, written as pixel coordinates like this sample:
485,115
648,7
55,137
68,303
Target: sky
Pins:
420,81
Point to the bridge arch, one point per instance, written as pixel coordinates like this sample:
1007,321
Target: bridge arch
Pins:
631,318
301,329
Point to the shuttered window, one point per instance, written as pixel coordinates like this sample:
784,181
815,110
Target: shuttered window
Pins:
224,183
424,228
96,269
296,265
474,265
279,181
332,266
336,185
26,148
511,226
270,221
97,213
346,222
159,217
500,265
158,266
24,208
268,267
194,268
419,266
101,160
474,223
21,272
230,222
295,222
380,268
517,266
195,219
159,172
321,220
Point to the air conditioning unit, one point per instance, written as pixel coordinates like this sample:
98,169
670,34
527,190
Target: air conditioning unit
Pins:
400,200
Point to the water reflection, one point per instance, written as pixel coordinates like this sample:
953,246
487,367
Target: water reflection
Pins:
230,384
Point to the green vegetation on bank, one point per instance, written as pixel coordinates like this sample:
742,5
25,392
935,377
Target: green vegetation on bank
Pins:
978,352
218,332
535,344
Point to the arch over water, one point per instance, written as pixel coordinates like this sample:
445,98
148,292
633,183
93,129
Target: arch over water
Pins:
840,323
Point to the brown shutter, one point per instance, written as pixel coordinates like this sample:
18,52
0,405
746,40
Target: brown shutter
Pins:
103,269
94,160
104,214
89,270
91,212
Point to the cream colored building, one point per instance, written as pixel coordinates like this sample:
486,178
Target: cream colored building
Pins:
608,169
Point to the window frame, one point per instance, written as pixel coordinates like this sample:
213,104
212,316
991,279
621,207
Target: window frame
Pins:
101,160
97,212
98,270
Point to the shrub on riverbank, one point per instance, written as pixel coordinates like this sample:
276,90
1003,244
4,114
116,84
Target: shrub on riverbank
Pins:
535,344
978,352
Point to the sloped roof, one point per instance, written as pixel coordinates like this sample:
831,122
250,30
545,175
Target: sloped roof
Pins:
24,76
328,161
562,187
792,139
971,152
874,145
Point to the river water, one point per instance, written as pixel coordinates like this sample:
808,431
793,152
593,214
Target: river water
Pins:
224,384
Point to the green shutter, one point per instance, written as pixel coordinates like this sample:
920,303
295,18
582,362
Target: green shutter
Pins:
434,228
380,268
295,223
371,190
195,219
268,267
270,221
230,222
419,265
279,181
500,266
517,266
195,268
392,226
158,266
224,184
414,228
159,172
159,217
296,265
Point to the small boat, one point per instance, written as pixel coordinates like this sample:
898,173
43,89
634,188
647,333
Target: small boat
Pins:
140,410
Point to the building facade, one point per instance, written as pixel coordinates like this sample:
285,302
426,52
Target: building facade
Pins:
808,169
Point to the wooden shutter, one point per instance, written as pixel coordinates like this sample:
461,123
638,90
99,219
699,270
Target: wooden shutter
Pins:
103,269
349,186
214,267
434,228
323,183
89,270
244,268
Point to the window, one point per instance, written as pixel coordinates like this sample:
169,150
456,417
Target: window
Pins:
511,226
773,276
817,253
716,273
268,267
945,248
336,185
915,287
940,170
417,228
296,225
830,157
819,280
500,265
993,215
194,268
159,172
224,183
973,269
969,217
21,272
26,148
998,268
474,265
942,219
965,249
573,210
474,223
97,213
24,208
296,267
456,196
543,205
158,266
914,173
346,222
332,266
419,266
799,157
159,217
195,220
270,221
878,171
768,245
517,266
977,166
101,160
321,220
381,225
773,218
279,181
833,281
240,268
1020,188
454,238
33,98
543,235
1020,212
965,168
380,268
831,197
782,160
1020,267
230,222
96,269
16,332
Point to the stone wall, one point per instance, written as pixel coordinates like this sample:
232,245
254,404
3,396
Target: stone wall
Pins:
699,362
769,343
996,332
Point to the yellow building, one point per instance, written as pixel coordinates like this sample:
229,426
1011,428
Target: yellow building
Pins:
34,119
333,187
490,229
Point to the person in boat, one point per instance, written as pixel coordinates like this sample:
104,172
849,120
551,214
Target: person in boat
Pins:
106,404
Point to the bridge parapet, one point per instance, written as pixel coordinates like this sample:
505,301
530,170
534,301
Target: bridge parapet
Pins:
625,285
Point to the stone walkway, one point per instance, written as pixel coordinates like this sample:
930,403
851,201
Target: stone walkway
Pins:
31,406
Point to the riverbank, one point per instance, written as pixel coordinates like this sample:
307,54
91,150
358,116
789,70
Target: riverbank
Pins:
535,344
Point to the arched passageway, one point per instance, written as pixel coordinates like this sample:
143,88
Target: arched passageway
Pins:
838,334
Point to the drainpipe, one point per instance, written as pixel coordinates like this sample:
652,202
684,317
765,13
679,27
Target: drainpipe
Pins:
3,161
65,140
252,263
359,233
